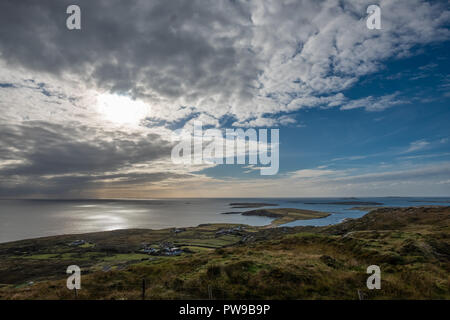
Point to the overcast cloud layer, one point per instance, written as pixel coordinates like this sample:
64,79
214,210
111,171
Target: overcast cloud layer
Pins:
235,58
240,63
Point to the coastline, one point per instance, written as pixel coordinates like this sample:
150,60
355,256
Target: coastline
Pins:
80,216
402,240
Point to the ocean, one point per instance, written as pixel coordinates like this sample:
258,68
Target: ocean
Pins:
25,219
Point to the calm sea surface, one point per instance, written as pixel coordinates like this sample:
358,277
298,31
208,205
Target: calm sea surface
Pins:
24,219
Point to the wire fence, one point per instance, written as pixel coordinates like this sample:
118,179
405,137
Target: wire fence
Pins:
144,290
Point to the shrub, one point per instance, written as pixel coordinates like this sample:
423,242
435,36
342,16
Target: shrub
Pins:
213,271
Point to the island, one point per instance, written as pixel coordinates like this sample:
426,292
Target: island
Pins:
364,208
349,203
238,205
286,215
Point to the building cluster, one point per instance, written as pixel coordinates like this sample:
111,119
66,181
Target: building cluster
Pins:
77,243
235,230
163,249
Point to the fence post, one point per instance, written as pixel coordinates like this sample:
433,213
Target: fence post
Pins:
143,289
210,292
360,295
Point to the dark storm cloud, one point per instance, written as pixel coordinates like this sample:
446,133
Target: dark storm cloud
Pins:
168,46
76,186
55,149
52,158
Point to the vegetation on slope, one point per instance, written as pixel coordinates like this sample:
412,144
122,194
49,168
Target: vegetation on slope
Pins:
410,245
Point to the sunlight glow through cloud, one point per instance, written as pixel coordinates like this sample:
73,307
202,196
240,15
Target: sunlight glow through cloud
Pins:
121,109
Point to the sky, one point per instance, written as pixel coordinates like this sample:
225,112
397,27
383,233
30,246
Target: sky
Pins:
91,113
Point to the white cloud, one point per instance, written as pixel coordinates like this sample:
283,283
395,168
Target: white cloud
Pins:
234,59
417,146
253,62
429,180
426,156
312,173
266,122
375,103
351,158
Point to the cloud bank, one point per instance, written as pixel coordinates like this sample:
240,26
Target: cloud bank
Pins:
224,62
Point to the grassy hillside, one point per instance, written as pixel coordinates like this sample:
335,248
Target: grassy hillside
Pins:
411,246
